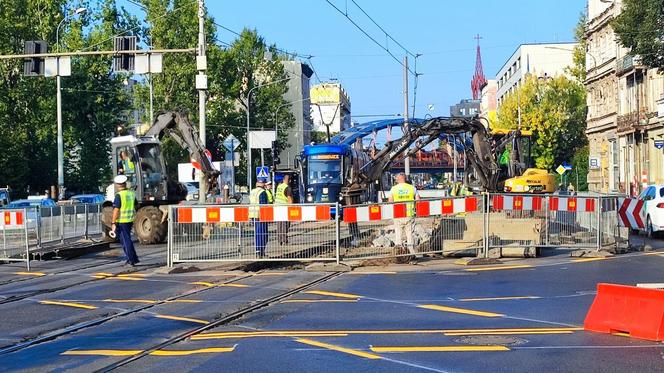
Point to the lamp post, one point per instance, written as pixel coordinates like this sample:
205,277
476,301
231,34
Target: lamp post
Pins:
248,130
58,99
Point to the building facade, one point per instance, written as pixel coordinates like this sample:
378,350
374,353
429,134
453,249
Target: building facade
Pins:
466,108
488,103
624,123
330,106
540,60
299,99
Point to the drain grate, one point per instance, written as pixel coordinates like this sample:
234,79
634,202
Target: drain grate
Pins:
491,340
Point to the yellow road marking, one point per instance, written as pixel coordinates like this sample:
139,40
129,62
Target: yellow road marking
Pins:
184,301
267,335
103,352
338,348
460,310
319,301
621,334
497,298
132,275
126,278
498,268
343,333
146,301
208,284
191,352
199,321
104,274
438,348
583,260
99,276
37,274
68,304
153,353
333,294
510,333
233,285
654,253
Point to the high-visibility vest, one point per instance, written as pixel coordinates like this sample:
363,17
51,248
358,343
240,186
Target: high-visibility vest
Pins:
254,200
404,193
128,166
270,198
127,208
281,197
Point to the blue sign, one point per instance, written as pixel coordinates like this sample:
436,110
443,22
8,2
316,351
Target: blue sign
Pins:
263,172
567,166
659,144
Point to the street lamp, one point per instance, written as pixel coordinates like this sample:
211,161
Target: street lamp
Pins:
248,130
61,151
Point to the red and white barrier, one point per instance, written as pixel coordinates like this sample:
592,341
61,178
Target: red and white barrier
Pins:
241,214
444,206
572,204
519,203
13,219
630,213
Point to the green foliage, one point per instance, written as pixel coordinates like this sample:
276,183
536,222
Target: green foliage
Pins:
640,28
580,168
555,110
578,69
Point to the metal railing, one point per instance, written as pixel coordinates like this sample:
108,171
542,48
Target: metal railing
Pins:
218,233
54,225
14,241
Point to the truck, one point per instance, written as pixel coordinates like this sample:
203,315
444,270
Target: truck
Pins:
140,158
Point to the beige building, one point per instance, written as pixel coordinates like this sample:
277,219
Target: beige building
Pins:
624,122
330,106
488,101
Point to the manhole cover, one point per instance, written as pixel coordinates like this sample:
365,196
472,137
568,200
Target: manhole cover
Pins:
491,340
457,273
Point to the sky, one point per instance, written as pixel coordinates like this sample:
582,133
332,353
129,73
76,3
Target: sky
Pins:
441,31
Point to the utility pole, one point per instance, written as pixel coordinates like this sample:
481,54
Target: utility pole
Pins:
201,85
406,162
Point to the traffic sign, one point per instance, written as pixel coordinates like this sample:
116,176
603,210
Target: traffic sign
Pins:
593,163
263,172
561,170
630,213
231,143
659,144
567,166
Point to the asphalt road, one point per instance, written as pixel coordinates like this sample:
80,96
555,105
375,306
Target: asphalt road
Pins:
524,315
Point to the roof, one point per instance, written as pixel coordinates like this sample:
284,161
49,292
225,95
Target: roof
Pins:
325,149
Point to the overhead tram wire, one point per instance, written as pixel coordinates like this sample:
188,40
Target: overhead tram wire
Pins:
383,30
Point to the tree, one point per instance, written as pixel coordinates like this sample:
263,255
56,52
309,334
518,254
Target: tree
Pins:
555,110
640,28
578,69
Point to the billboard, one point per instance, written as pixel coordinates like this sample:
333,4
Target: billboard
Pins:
325,94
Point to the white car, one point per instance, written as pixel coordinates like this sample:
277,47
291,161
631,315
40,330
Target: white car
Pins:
652,212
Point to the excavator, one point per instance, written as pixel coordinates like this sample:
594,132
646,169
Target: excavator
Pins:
140,159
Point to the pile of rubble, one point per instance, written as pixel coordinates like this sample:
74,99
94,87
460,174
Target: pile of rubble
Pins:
386,237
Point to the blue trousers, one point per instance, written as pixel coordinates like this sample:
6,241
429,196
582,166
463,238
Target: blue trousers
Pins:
123,231
260,236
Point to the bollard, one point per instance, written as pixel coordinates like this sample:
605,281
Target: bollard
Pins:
86,221
62,225
338,230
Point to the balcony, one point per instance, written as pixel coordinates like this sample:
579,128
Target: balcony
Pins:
627,63
634,121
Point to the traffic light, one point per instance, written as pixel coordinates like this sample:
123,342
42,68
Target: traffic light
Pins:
275,154
124,62
34,66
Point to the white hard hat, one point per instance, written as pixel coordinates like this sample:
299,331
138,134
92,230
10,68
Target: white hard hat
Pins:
120,179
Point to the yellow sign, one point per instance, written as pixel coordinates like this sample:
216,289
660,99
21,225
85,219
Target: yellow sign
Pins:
561,170
325,94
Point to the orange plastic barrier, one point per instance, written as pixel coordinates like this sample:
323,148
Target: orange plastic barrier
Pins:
627,309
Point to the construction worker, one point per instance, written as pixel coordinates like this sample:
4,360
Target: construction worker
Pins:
258,197
126,166
124,211
284,196
404,192
268,190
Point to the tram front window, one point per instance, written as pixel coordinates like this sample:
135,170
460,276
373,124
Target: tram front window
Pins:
324,171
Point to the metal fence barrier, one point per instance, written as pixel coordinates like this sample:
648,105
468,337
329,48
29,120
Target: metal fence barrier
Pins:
14,230
235,233
480,225
48,226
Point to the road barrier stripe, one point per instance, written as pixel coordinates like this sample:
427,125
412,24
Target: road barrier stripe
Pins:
438,348
68,304
241,214
444,206
328,346
13,219
459,310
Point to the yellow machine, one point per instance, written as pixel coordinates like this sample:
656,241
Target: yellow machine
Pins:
533,180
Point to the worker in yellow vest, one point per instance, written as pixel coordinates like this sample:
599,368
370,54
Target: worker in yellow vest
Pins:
284,196
258,197
268,190
124,211
404,192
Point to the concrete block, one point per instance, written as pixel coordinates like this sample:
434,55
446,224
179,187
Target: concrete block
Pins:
381,241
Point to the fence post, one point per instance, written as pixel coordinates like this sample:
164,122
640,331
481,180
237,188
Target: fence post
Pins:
599,223
27,243
86,221
169,238
62,224
337,231
486,209
547,212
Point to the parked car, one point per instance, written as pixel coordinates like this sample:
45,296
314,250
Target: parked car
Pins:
87,198
652,212
34,208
